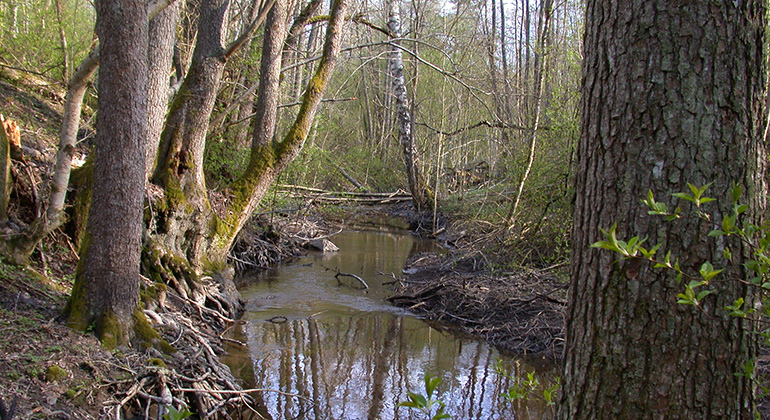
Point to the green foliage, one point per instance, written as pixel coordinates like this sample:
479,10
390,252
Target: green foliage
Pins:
174,414
30,39
224,162
524,386
426,403
697,287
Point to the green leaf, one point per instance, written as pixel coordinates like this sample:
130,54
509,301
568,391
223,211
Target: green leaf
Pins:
703,294
684,300
728,223
431,384
735,193
417,399
684,196
408,404
651,253
707,271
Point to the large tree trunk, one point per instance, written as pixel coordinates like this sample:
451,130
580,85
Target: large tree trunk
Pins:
671,95
404,117
17,247
106,289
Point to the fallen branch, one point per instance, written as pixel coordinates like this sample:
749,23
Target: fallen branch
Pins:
339,273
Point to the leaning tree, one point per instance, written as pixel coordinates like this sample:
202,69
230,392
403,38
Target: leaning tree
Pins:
673,94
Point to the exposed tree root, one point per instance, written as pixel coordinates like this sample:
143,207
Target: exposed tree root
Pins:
193,377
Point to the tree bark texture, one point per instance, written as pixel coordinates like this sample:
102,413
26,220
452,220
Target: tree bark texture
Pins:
159,59
672,94
106,289
266,106
403,115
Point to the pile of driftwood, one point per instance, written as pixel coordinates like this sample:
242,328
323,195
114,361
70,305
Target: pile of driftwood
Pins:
270,239
520,312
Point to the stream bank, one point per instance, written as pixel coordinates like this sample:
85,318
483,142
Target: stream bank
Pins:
475,288
326,346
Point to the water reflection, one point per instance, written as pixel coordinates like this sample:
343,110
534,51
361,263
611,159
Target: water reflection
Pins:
343,353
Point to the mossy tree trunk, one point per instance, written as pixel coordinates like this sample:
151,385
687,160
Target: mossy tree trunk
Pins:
106,290
183,226
671,95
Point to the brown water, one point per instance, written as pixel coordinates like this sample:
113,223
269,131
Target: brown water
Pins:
335,351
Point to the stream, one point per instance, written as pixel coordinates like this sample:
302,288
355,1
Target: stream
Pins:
337,351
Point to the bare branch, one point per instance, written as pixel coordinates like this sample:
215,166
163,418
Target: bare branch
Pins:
233,47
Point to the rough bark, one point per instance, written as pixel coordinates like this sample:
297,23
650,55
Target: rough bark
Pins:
106,290
181,223
266,106
159,59
268,160
403,115
18,246
671,95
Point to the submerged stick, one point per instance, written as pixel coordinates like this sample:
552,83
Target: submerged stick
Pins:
339,273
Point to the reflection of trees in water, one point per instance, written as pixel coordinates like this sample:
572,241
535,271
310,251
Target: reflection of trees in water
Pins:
361,367
360,364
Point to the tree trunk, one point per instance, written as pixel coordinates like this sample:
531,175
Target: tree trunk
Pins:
160,55
106,289
403,115
19,246
671,96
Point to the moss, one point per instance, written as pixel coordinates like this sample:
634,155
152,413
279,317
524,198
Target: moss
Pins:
71,394
211,266
110,330
55,373
174,193
80,182
156,362
147,336
151,293
76,311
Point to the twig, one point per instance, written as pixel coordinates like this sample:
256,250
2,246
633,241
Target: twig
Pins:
340,273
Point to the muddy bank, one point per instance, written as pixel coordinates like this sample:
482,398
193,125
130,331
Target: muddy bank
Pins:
520,310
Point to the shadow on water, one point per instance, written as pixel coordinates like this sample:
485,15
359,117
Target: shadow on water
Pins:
335,351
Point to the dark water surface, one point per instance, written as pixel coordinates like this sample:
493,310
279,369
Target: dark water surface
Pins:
336,351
